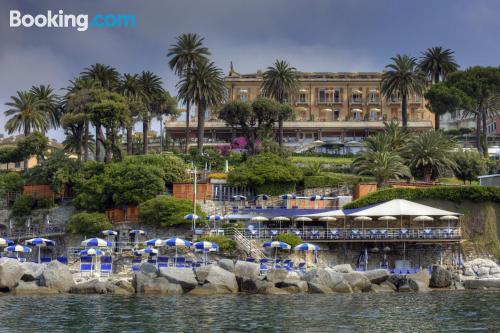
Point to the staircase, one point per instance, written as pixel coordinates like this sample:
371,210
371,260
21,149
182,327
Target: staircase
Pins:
250,247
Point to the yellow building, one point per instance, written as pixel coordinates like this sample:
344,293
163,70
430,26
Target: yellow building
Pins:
332,107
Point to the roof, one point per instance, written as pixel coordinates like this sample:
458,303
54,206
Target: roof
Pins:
489,176
396,207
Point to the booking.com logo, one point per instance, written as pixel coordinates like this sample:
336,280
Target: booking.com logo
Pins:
81,21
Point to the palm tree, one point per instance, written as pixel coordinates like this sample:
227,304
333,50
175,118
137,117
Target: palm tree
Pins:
165,105
280,82
108,78
150,91
49,102
185,53
398,136
403,78
203,85
430,153
437,63
383,165
130,87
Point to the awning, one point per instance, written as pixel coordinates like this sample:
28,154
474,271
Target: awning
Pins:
326,110
357,91
401,207
374,110
357,110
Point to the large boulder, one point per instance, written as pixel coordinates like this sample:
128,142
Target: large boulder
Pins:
94,287
227,264
342,287
149,269
324,276
57,276
381,288
184,277
480,267
32,271
276,275
482,284
125,285
268,288
358,281
377,276
440,278
209,289
11,272
343,268
294,285
316,288
32,288
222,278
162,286
247,275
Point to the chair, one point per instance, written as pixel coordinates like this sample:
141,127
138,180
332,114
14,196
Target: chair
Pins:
403,233
274,233
355,234
250,259
373,233
269,207
151,261
263,265
86,266
315,234
277,263
162,262
334,234
106,265
63,260
45,260
258,207
383,233
180,262
136,264
188,264
302,267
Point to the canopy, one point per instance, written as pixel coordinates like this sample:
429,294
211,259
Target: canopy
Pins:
401,207
331,213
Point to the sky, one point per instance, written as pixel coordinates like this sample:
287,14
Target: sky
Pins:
313,35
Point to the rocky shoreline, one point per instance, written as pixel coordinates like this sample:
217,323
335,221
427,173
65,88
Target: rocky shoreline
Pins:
231,277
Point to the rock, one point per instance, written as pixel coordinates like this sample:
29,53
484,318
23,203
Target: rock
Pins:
404,288
344,268
482,271
11,272
469,272
125,284
358,281
387,284
227,264
440,278
32,271
316,288
32,288
201,274
162,286
418,281
381,288
268,288
94,287
342,287
377,276
149,270
217,277
209,289
247,275
184,277
301,286
324,276
482,284
138,281
57,276
276,275
494,270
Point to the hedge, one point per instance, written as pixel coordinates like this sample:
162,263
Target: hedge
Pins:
290,239
275,188
334,179
225,243
449,193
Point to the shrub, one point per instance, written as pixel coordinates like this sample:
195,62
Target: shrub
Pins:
23,206
455,194
225,243
334,179
11,182
174,168
44,203
290,239
166,211
275,188
217,175
89,224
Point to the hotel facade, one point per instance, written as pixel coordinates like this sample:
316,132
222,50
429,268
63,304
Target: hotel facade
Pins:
336,108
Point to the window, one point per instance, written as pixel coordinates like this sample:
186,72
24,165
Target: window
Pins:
357,96
325,95
17,165
394,98
356,115
302,96
373,115
336,96
243,94
336,114
418,99
373,96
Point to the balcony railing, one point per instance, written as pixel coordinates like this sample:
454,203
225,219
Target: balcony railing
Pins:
356,100
373,101
329,100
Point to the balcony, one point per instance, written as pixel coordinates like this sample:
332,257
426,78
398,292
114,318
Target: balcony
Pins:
372,101
302,102
356,100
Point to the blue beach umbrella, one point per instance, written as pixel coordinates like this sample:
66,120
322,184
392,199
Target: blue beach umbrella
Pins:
91,252
206,247
5,242
17,249
148,250
155,242
109,232
238,197
215,218
308,247
264,197
136,233
177,242
276,245
40,242
98,242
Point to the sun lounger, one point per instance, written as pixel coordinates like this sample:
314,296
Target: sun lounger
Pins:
162,262
263,265
180,262
152,261
45,260
302,267
106,265
86,266
250,259
188,263
63,260
136,264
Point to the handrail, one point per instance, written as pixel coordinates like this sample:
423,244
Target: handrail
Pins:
247,245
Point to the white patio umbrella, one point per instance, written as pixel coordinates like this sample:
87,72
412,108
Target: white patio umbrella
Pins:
303,219
387,219
327,219
449,218
423,219
280,219
259,220
363,219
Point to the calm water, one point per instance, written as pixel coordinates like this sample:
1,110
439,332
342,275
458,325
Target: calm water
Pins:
412,312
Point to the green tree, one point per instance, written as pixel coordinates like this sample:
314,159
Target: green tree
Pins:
49,103
184,54
280,82
430,154
403,78
174,168
89,224
23,206
443,99
151,91
10,154
130,87
397,136
33,144
11,182
266,170
469,165
203,85
382,164
166,211
437,63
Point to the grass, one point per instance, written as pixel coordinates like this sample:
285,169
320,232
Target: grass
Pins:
455,181
322,159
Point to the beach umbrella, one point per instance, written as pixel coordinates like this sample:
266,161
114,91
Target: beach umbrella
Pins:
5,242
191,217
363,219
148,250
259,220
177,242
96,242
136,233
276,245
264,197
215,218
303,219
239,197
91,252
288,196
155,242
109,232
40,242
206,247
17,249
423,219
308,247
449,218
387,219
280,219
327,219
